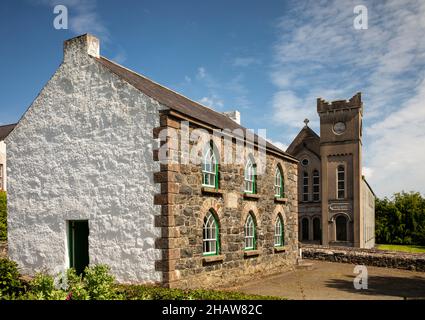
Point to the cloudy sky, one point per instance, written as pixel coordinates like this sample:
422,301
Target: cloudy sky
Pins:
269,59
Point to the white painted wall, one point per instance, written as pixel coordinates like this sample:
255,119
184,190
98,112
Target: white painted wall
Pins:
83,150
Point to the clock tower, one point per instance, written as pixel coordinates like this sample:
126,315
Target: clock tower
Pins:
341,168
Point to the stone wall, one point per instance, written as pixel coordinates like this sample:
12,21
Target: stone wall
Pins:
368,257
185,203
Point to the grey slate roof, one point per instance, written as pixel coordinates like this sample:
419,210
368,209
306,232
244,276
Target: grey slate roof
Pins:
5,130
178,102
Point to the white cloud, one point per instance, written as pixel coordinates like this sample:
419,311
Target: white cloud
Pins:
280,145
245,61
212,102
319,54
201,73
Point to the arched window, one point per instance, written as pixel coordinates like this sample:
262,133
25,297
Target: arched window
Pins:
340,182
316,185
210,167
250,176
278,232
279,187
305,186
250,236
211,244
341,228
305,229
317,230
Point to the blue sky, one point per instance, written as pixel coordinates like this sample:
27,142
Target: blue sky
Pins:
268,59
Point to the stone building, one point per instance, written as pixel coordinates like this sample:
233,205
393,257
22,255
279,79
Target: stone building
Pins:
93,187
336,204
4,132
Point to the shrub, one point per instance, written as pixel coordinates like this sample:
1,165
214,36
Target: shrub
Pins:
10,284
3,216
144,292
99,283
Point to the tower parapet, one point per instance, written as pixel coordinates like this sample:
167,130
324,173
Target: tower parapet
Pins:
353,103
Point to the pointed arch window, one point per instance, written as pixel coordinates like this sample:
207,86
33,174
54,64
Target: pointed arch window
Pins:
250,232
250,176
316,185
340,182
278,232
305,186
279,187
211,243
210,167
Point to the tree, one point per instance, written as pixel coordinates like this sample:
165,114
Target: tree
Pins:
401,220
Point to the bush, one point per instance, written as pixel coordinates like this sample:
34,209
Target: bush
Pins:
144,292
3,216
99,283
10,284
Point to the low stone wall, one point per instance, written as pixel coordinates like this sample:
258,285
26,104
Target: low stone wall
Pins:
3,249
368,257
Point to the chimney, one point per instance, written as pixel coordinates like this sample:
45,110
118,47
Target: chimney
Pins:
234,115
83,45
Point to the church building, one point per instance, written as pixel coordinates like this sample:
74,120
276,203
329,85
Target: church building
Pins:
336,204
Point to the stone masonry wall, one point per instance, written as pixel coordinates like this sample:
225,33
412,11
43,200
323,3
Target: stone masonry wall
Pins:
368,257
185,203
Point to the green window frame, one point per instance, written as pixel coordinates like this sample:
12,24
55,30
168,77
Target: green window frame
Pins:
250,235
250,177
210,176
279,232
211,235
279,186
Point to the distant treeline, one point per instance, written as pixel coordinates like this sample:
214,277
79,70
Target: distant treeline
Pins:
401,219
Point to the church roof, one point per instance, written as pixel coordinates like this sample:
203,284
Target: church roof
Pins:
180,103
306,139
5,130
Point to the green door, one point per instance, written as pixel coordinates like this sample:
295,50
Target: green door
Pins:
78,245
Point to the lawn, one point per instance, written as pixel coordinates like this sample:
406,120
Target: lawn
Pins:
404,248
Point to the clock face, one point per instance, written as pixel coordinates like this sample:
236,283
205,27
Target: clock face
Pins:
339,128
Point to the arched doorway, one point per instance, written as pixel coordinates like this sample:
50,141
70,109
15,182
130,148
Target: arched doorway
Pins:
341,228
317,234
304,228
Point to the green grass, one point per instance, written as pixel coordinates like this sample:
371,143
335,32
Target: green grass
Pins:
404,248
145,292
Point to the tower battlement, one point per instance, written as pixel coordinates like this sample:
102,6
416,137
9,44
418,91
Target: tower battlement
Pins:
353,102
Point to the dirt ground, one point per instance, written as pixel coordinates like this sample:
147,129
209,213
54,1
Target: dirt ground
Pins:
330,280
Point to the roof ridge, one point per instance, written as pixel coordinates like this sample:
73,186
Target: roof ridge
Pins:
161,85
190,105
10,124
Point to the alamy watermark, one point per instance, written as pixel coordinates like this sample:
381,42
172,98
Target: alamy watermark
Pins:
61,20
360,281
185,146
361,20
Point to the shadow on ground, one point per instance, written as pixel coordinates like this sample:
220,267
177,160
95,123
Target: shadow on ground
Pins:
413,287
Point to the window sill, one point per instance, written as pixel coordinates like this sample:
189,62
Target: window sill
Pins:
210,190
251,253
213,258
251,196
281,200
279,249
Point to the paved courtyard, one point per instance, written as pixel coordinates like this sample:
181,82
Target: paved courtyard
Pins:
330,280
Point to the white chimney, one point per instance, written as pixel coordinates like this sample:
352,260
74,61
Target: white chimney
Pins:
234,115
85,44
